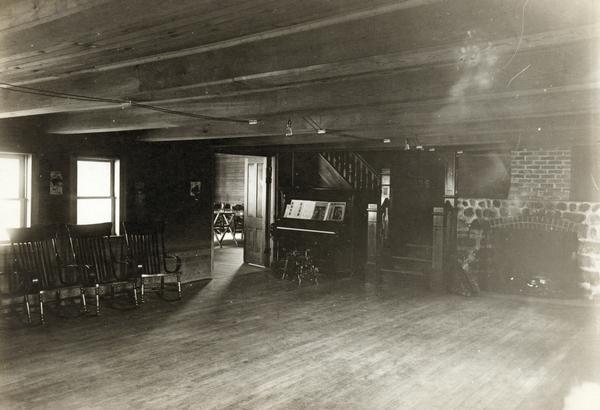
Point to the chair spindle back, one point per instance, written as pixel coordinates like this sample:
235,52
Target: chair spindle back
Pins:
35,256
90,248
145,244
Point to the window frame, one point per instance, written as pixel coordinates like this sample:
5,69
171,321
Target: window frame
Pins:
25,187
115,189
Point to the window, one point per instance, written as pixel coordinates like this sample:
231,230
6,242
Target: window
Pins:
15,192
385,184
98,191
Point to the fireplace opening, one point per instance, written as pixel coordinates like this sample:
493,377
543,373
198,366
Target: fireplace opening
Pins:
534,259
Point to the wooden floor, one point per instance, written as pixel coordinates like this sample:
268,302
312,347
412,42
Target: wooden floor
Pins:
254,342
229,261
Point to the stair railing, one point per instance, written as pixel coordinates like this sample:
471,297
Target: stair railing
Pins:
354,169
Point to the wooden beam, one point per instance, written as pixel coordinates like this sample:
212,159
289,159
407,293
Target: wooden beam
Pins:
219,130
447,54
376,36
21,14
566,136
450,109
403,75
241,40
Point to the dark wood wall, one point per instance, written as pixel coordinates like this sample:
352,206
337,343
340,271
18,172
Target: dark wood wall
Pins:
158,187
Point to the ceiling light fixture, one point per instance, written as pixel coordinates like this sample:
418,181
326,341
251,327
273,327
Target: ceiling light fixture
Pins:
252,122
418,145
317,127
387,140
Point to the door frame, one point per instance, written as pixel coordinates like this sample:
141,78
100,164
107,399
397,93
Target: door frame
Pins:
270,208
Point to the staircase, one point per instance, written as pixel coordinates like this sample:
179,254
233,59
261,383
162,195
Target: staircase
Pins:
416,262
353,168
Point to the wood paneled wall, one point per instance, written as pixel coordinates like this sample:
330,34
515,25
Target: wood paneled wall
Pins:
229,178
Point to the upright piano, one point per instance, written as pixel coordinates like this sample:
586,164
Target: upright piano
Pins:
329,240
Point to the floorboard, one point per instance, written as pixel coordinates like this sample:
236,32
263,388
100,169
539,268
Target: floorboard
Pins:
251,341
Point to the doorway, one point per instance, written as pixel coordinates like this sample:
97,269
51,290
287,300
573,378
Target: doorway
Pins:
241,213
417,184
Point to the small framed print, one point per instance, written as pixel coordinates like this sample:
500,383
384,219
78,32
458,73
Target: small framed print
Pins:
56,183
195,189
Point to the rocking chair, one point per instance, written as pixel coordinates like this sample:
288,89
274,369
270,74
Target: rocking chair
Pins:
39,266
147,256
92,253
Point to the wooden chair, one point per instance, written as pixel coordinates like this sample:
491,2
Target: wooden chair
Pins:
39,266
147,255
93,255
238,222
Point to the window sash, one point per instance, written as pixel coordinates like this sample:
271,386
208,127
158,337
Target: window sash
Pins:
23,195
113,193
22,174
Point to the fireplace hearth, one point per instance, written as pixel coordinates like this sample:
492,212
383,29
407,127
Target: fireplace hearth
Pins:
545,248
533,258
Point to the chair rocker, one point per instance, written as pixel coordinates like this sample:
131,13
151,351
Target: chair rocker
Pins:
92,254
147,256
39,266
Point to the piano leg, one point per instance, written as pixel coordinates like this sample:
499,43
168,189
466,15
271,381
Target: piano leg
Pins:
285,268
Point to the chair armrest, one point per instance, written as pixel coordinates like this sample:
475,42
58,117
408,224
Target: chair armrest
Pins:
177,263
130,268
87,275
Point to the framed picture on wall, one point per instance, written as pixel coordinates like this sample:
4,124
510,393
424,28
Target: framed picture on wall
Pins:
195,188
56,183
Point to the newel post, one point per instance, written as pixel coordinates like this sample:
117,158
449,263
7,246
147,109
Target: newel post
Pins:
444,230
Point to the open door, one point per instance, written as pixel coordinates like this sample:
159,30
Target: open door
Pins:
255,211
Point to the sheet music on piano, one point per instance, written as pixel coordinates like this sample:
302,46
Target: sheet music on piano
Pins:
315,210
335,211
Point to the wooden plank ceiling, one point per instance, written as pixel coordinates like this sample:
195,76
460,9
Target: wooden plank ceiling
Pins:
430,71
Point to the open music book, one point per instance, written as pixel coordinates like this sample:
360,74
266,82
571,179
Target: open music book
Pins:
315,210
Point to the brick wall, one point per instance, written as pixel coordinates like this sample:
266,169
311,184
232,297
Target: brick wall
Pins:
540,174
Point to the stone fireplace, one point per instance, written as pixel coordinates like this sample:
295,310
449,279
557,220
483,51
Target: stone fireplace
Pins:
532,253
536,239
541,247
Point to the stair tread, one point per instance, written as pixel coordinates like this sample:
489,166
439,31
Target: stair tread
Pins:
410,258
416,245
403,271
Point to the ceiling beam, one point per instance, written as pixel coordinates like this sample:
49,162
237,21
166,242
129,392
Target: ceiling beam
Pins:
375,35
448,54
539,51
21,14
560,126
451,109
314,24
512,138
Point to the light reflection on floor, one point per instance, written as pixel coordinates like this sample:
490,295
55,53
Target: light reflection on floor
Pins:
229,264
